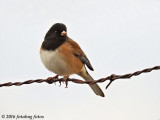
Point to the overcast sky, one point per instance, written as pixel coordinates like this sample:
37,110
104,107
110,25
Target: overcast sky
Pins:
118,36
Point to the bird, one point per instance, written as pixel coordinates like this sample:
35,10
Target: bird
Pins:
63,56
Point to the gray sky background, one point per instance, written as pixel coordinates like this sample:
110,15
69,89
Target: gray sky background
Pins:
118,36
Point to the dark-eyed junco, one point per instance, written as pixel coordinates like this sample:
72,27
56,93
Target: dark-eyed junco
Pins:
63,56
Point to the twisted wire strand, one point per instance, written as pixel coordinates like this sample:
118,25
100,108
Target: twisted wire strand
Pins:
111,78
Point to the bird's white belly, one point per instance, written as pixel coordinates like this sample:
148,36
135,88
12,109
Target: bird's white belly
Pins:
54,62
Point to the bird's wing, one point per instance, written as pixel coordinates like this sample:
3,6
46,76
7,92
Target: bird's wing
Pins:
77,51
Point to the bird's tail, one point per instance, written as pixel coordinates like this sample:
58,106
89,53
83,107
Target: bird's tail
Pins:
96,89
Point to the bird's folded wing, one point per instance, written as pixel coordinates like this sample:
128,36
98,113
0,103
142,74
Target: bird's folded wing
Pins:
77,51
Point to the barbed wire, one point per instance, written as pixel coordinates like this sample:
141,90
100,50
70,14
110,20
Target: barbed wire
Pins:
111,78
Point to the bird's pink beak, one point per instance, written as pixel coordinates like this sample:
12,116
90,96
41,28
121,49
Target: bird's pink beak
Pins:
64,33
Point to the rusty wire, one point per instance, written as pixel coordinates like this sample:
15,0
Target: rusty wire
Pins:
111,78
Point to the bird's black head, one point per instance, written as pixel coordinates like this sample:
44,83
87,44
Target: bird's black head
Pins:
56,36
58,29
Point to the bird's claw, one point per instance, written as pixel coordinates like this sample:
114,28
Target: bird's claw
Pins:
65,79
51,80
60,83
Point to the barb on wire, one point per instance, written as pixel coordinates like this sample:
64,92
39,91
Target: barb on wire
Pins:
111,78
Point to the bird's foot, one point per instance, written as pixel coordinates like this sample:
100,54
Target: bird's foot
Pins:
60,81
50,80
65,79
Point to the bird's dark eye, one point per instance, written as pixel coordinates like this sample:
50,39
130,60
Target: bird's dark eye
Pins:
55,32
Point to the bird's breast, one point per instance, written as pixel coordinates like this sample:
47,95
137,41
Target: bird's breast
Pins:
54,62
